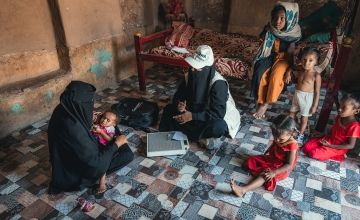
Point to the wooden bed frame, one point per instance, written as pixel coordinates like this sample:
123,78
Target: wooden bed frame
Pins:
142,56
340,58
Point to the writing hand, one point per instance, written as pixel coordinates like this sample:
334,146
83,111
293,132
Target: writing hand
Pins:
184,117
181,107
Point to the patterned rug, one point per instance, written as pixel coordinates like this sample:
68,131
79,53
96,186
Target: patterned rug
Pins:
179,187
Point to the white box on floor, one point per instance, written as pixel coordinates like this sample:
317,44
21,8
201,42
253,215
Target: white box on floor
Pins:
163,144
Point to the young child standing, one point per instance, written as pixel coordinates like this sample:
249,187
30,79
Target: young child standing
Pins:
278,160
104,130
343,134
307,93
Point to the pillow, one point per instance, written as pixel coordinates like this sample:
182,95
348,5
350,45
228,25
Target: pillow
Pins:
323,37
324,19
326,54
181,34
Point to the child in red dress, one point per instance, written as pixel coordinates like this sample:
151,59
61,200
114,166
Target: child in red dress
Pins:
343,133
278,160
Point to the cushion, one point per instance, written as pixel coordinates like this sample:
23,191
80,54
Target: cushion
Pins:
322,38
181,35
323,19
326,53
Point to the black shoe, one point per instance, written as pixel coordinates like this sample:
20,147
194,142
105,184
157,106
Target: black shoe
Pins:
95,192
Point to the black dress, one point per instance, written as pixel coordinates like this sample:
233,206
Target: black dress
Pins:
207,105
77,158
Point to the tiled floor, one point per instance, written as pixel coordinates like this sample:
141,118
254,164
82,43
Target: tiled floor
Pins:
180,187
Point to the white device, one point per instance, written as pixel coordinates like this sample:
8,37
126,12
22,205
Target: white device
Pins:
163,144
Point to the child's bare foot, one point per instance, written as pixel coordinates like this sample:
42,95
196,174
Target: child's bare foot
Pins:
260,112
238,190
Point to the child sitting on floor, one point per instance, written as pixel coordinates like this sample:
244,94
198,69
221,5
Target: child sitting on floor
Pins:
278,160
307,93
104,130
343,133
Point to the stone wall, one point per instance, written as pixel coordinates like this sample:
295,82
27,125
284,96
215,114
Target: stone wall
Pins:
48,43
212,14
27,43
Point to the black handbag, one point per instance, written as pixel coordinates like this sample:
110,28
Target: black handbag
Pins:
136,113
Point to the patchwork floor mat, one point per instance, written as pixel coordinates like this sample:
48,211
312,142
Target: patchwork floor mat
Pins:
179,187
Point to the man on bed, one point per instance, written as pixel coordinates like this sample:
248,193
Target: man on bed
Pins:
202,107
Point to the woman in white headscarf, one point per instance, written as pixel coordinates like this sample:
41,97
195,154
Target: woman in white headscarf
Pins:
202,107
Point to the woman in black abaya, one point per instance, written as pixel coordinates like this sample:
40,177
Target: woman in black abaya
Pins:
77,159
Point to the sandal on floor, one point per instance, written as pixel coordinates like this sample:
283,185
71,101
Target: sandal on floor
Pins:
85,205
98,194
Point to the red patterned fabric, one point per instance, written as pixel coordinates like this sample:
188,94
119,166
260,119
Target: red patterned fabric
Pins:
181,34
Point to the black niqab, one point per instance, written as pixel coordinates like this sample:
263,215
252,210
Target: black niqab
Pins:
198,87
78,101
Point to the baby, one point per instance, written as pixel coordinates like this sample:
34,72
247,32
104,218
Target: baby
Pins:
307,93
104,128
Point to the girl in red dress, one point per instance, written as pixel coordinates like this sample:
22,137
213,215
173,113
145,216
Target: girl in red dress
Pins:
343,133
278,160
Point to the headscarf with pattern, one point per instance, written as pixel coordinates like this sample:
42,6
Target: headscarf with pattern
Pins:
292,32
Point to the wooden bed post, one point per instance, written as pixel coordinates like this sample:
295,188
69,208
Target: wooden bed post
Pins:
139,61
334,83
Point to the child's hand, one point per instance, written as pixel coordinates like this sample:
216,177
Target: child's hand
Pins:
97,129
313,109
324,142
269,174
288,76
121,140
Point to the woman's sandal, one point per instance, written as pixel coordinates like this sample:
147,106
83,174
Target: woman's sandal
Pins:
85,205
99,194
